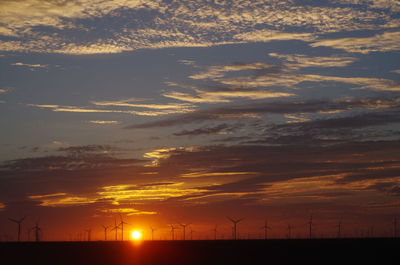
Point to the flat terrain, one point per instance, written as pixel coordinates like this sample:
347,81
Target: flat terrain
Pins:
298,251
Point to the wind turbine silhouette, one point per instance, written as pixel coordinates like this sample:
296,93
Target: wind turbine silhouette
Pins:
122,227
116,227
215,230
152,232
89,232
234,229
173,231
266,227
18,222
38,231
289,235
339,227
184,230
105,231
310,225
191,233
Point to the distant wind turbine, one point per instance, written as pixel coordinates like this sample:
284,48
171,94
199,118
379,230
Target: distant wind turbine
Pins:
152,232
289,234
191,233
310,226
184,230
215,230
234,229
105,231
38,231
173,231
266,228
89,233
115,228
18,222
122,227
339,231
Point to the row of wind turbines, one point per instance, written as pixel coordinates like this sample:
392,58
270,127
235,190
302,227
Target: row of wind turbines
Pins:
119,226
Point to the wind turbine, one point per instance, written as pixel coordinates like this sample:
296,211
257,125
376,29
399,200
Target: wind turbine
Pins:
18,222
89,232
152,232
38,231
289,235
266,227
122,227
339,227
191,233
105,231
184,230
116,227
310,225
215,230
234,229
173,231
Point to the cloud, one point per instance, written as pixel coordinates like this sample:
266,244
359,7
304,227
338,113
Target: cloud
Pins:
219,71
386,41
271,35
159,109
254,110
5,90
219,129
163,24
290,80
296,61
32,66
126,103
2,206
104,122
224,96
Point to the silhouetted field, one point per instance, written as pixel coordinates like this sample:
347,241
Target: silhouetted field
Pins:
299,251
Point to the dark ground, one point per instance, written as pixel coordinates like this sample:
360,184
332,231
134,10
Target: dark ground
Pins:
295,251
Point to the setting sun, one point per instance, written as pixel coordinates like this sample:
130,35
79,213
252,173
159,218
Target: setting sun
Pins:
136,235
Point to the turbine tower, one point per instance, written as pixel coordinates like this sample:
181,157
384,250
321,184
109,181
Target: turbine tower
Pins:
191,233
89,232
266,227
38,231
152,232
310,225
289,235
18,222
234,229
105,231
173,231
115,228
215,230
184,230
339,227
122,227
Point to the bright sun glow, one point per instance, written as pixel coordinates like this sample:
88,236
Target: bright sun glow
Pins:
136,235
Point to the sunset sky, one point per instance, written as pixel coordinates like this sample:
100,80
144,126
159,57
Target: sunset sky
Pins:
190,111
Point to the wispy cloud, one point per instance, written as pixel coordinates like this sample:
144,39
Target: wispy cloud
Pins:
160,109
104,122
296,61
386,41
31,66
224,96
255,109
271,35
